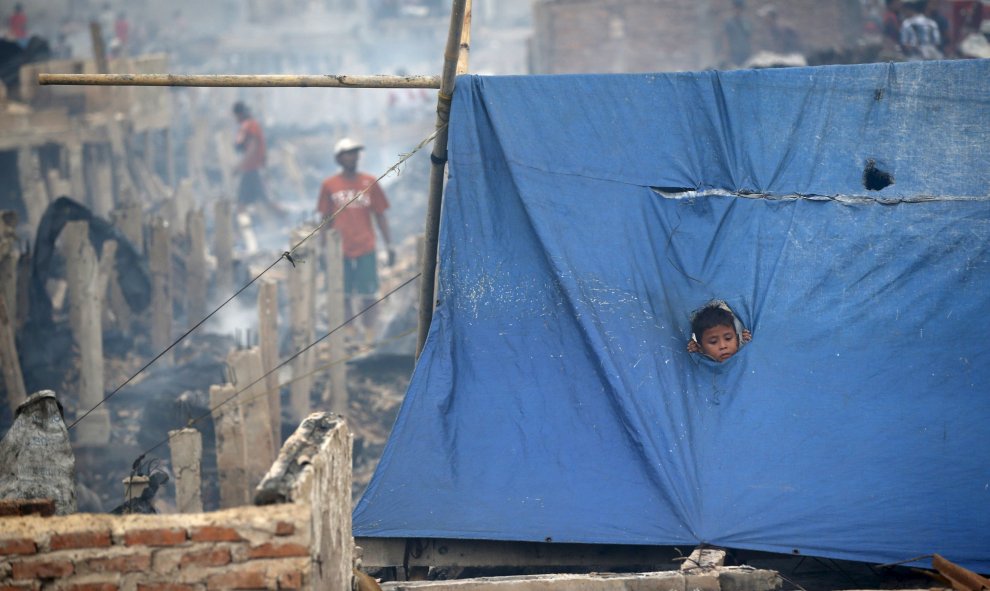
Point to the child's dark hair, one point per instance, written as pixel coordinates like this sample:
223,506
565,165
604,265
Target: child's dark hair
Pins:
710,316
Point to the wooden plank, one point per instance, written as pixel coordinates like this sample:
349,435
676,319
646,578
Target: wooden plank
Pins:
445,552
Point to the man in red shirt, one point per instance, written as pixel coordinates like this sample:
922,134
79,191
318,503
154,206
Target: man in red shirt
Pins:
18,25
251,143
357,197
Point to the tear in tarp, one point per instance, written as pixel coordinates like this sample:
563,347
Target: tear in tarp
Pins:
555,398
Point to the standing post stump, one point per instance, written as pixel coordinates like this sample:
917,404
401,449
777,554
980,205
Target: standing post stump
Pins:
103,200
301,296
335,396
268,341
10,364
196,268
259,450
32,186
228,429
77,180
86,289
223,247
186,446
161,286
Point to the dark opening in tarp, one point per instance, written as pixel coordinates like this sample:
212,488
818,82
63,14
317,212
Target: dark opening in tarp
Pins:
587,216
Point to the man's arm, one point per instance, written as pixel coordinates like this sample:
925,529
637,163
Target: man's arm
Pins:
382,222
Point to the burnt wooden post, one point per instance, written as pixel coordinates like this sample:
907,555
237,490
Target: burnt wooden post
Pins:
228,429
259,449
268,342
301,296
10,365
161,289
196,267
86,285
32,185
223,247
103,201
77,180
58,186
335,396
186,446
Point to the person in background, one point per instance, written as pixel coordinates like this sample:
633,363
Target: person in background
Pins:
932,12
920,38
736,45
783,37
892,25
122,32
18,25
251,144
356,198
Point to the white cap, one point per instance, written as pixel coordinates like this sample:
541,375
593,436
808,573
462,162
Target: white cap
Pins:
346,145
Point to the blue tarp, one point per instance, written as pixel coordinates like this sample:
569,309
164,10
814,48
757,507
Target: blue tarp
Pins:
587,216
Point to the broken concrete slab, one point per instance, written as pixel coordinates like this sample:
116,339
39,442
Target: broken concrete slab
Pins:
36,459
737,579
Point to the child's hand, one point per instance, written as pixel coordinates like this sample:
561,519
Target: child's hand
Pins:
747,336
693,347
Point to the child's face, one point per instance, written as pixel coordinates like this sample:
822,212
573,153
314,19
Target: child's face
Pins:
720,342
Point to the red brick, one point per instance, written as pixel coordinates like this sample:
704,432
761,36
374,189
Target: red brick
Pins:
290,581
278,551
216,557
155,537
81,539
18,546
29,587
93,587
239,579
284,528
128,563
211,533
164,587
38,569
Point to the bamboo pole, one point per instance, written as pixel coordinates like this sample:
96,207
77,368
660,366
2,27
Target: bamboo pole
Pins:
465,49
245,80
439,160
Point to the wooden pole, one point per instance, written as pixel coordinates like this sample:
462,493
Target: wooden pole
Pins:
10,365
223,247
85,316
335,397
161,289
196,267
228,428
259,449
268,342
465,48
186,446
439,160
301,282
77,180
244,80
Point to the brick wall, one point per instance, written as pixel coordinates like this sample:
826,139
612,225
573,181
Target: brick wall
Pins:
583,36
304,544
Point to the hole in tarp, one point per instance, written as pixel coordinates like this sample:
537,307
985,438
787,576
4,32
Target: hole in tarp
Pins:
875,179
673,191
